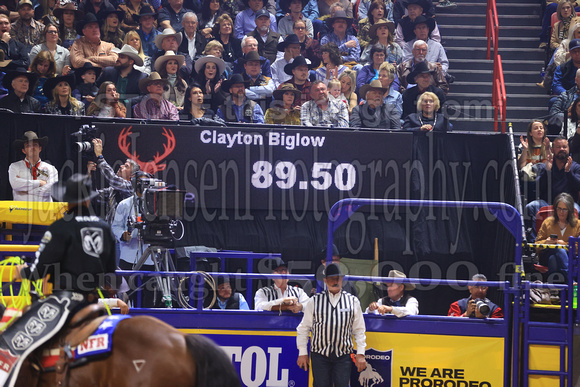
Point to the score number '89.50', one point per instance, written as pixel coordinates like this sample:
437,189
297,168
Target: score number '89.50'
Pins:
322,176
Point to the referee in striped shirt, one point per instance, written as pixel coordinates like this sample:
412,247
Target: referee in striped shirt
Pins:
333,317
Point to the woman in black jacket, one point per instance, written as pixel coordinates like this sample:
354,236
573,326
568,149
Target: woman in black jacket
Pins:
427,119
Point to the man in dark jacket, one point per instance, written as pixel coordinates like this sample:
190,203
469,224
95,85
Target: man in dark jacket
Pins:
79,252
267,38
19,84
125,77
566,72
468,307
226,298
13,49
373,113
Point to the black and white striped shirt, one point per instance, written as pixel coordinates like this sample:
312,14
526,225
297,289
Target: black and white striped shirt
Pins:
269,296
333,320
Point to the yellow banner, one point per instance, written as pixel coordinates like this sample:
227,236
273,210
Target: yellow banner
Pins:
417,360
39,213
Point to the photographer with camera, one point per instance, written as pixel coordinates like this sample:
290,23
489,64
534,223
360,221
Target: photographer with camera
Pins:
119,183
477,304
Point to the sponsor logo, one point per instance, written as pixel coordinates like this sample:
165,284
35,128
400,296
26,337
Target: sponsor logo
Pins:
21,341
94,343
258,367
34,327
378,372
11,208
47,312
7,360
93,240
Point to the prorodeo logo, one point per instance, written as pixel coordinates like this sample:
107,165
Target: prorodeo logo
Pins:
12,208
378,372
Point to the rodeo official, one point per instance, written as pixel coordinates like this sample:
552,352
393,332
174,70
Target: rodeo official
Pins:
78,251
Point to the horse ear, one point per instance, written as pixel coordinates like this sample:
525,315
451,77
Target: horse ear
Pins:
213,366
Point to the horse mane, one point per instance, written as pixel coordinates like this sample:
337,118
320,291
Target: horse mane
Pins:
213,367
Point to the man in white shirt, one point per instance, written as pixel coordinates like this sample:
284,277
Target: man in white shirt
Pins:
291,49
31,178
396,302
332,317
280,296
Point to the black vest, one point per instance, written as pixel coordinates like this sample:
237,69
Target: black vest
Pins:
229,114
403,300
232,303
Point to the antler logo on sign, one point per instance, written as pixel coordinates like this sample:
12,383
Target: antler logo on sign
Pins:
151,166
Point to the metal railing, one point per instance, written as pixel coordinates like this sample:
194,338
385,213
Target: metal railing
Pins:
499,97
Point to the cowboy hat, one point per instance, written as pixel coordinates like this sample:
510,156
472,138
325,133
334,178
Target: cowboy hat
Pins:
77,189
290,39
279,93
236,78
421,3
153,77
120,14
398,274
221,65
420,68
333,270
252,55
51,83
380,23
425,20
86,67
27,137
68,6
169,55
374,85
89,18
145,11
10,75
131,52
298,61
340,14
166,33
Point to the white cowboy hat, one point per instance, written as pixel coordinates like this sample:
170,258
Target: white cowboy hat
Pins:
160,62
167,32
130,52
221,65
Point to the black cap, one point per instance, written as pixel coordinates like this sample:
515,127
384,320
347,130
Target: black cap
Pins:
276,263
333,270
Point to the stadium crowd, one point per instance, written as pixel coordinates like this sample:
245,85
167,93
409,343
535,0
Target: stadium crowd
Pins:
370,64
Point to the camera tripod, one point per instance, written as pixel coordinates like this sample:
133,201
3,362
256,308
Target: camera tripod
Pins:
162,261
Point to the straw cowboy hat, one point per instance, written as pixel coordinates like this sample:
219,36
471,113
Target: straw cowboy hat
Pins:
27,137
166,33
374,85
153,77
131,52
398,274
169,55
68,6
221,65
340,14
279,93
380,23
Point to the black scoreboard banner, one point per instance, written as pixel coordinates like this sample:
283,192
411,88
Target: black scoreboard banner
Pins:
295,169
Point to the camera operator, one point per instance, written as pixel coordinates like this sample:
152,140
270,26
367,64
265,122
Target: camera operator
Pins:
477,304
131,247
119,184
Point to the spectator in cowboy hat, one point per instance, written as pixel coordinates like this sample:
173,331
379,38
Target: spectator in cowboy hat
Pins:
84,48
31,178
293,11
267,38
259,87
422,76
405,25
170,40
299,70
374,113
171,14
382,32
58,90
168,68
68,14
420,51
236,107
246,20
13,49
20,84
153,105
132,9
291,49
435,51
111,27
26,30
348,45
147,19
86,83
210,76
284,111
97,7
123,74
396,302
249,43
280,296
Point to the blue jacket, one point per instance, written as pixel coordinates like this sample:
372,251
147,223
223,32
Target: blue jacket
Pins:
564,77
